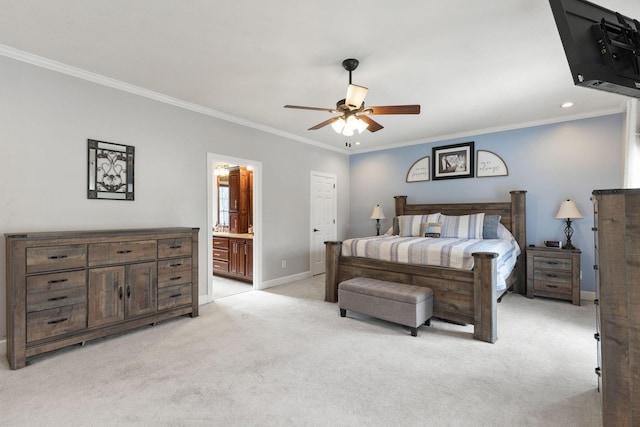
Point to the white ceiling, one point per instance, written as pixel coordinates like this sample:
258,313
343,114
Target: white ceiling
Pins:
474,66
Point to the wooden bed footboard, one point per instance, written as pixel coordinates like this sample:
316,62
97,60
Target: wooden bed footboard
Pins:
458,295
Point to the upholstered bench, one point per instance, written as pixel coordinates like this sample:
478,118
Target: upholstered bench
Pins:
395,302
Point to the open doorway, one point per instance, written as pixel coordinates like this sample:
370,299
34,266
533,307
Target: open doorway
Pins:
254,249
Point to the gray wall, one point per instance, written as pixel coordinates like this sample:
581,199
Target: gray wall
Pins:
46,119
553,163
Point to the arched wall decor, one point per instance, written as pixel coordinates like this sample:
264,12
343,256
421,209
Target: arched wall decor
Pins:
490,164
419,171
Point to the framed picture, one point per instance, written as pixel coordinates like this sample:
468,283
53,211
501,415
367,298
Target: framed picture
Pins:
419,171
110,170
453,161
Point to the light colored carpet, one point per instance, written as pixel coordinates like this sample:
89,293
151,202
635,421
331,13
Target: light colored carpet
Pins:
286,357
223,287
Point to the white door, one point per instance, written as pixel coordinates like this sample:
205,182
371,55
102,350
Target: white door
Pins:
323,217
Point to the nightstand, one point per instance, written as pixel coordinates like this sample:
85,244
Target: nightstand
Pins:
553,273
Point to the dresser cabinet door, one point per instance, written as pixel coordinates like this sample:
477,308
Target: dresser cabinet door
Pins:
105,296
141,289
116,293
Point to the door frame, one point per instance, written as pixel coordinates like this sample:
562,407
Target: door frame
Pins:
213,158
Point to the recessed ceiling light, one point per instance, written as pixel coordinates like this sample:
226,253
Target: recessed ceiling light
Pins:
567,105
358,143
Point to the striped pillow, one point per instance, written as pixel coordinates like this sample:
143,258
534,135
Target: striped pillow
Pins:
462,226
411,225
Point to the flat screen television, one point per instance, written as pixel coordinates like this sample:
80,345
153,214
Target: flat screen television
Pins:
602,46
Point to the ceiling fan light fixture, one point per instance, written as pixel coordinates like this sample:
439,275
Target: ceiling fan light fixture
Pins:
362,126
338,125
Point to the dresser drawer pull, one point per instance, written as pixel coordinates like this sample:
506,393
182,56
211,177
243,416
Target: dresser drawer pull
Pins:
176,278
126,251
552,275
175,265
175,295
53,322
175,247
552,286
57,281
57,298
553,262
58,256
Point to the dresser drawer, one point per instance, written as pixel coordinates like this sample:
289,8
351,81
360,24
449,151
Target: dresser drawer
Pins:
170,248
174,296
121,252
56,258
220,243
174,272
222,255
56,298
56,281
540,262
221,266
56,321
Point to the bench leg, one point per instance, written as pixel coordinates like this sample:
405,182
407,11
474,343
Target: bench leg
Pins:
343,312
428,322
414,332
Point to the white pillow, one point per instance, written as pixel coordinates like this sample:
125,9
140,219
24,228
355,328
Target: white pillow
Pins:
411,225
462,226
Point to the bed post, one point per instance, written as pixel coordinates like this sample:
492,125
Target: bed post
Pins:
332,256
485,305
519,231
401,202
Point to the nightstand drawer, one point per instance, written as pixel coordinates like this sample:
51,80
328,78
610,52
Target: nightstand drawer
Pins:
553,276
553,290
540,262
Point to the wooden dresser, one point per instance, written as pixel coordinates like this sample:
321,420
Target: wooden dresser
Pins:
65,288
617,250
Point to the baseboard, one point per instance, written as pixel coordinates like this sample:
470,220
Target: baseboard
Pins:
588,295
284,280
3,348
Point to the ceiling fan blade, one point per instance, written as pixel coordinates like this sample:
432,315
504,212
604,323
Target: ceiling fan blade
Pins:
326,122
330,110
355,96
373,125
395,109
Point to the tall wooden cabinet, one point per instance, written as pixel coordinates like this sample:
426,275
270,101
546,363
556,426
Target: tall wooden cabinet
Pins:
65,288
617,246
239,196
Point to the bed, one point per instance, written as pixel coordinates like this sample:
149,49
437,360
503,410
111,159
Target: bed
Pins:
460,295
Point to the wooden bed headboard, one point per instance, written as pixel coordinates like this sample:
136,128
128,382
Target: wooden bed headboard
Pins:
513,214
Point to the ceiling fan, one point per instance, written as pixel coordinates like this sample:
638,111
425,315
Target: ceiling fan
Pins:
353,115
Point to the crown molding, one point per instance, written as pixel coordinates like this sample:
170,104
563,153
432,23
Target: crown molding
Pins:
79,73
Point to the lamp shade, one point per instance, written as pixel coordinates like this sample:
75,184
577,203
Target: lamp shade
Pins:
569,210
377,212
